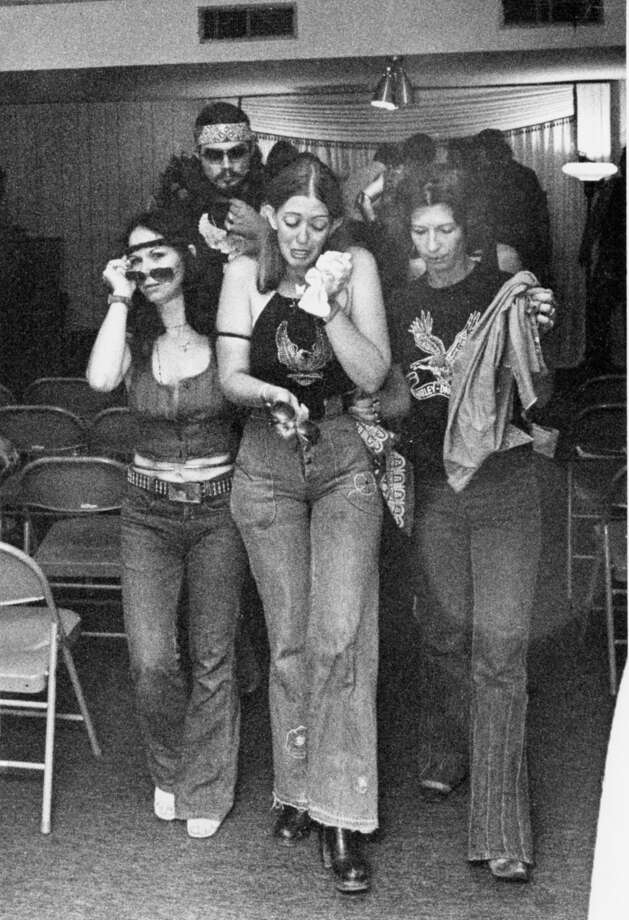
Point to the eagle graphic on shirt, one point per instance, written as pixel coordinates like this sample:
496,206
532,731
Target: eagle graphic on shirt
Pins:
439,360
306,364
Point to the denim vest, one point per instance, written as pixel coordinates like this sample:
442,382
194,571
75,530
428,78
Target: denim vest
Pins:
180,422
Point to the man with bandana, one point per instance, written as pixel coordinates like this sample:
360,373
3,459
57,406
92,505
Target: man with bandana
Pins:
223,179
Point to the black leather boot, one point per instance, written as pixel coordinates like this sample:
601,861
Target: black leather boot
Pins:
291,825
341,852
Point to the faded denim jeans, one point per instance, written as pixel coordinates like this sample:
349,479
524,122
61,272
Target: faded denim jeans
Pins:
476,559
310,518
190,725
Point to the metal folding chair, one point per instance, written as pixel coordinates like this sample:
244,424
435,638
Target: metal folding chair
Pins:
113,433
36,431
6,396
79,500
30,639
73,394
598,447
613,538
40,430
601,390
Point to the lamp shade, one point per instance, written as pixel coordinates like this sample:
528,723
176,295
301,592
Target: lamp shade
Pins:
384,96
404,88
589,172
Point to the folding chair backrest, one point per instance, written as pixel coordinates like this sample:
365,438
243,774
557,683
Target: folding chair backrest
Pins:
617,498
21,579
6,396
600,431
72,393
42,430
113,433
73,485
606,388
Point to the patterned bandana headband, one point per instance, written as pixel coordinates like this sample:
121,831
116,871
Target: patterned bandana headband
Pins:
224,134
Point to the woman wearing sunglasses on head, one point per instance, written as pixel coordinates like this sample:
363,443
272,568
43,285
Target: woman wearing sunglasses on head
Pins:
299,331
176,524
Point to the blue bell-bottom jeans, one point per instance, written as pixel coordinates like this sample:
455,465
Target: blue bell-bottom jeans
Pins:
310,518
188,717
476,560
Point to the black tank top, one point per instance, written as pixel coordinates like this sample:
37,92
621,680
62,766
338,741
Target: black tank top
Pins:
290,349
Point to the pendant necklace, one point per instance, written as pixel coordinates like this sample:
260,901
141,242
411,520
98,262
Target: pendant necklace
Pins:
183,346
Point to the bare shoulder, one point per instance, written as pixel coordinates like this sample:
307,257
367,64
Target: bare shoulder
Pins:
242,269
362,259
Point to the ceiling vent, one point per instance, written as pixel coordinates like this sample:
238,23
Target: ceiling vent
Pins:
552,12
242,23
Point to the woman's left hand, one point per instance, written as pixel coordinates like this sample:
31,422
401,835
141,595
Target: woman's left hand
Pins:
543,306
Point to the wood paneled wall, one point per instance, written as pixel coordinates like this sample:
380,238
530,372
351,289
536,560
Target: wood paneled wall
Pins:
80,171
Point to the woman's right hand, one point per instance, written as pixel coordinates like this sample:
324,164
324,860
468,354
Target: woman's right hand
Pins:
115,276
270,394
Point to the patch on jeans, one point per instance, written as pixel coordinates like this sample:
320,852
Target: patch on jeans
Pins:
296,742
364,484
362,785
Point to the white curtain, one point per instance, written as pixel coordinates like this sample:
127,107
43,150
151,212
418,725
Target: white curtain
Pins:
438,112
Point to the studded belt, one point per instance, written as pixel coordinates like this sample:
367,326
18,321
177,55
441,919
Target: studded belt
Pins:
187,492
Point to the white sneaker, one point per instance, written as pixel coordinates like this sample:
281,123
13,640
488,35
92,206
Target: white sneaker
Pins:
164,805
202,827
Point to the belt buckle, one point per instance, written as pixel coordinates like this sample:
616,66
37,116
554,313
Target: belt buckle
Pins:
186,492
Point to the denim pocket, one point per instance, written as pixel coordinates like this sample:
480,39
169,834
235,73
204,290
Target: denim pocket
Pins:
252,500
137,500
362,492
253,496
354,469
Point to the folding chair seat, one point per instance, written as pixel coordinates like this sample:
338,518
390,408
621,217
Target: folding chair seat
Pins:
30,639
73,394
80,499
598,447
113,433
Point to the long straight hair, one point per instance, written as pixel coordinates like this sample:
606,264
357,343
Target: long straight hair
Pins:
304,175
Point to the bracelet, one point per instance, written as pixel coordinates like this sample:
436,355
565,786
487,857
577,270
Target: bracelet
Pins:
118,298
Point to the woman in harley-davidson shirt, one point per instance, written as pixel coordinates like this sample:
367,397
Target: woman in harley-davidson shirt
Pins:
308,507
475,552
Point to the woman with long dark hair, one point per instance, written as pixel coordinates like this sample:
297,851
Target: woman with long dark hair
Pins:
176,523
299,332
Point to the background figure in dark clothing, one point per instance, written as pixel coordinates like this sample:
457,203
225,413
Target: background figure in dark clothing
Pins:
223,179
280,155
517,204
391,249
604,256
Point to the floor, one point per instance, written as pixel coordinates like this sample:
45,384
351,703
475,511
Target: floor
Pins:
108,858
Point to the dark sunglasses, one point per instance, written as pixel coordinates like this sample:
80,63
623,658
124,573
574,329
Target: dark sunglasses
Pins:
283,418
215,156
157,274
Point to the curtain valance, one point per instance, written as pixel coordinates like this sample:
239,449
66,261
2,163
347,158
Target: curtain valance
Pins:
438,112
